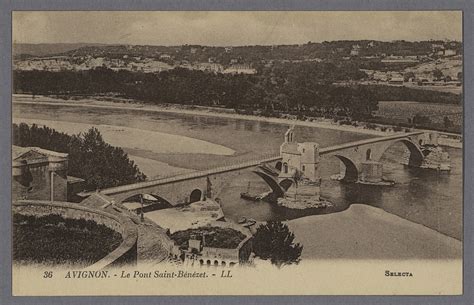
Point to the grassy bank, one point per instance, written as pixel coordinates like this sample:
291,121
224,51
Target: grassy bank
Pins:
53,240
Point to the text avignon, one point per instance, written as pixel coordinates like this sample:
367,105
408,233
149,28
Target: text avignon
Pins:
87,274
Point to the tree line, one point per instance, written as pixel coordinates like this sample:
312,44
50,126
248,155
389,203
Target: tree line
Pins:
90,157
291,88
274,92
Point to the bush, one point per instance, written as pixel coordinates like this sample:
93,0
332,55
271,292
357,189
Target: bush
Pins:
274,241
371,126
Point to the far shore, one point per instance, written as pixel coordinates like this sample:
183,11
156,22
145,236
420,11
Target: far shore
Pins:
205,111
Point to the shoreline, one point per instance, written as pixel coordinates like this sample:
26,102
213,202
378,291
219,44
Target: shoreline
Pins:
171,108
207,111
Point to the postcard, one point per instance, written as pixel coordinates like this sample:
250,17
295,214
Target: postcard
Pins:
237,153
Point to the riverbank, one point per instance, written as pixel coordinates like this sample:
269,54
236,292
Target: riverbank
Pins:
366,232
125,104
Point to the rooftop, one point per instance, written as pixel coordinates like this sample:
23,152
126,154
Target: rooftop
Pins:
19,152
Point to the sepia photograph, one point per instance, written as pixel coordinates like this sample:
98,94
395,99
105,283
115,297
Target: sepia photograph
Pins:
237,152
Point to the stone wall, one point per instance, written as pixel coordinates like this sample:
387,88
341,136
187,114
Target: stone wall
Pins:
40,188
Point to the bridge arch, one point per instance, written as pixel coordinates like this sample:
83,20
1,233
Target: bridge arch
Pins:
272,183
416,154
286,184
278,165
351,173
195,195
158,201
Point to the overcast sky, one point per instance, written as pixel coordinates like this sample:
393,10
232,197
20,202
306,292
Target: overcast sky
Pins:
232,28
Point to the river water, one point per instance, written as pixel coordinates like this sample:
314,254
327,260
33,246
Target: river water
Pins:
422,196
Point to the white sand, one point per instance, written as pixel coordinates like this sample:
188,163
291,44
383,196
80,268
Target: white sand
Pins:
207,111
194,215
155,169
135,138
365,232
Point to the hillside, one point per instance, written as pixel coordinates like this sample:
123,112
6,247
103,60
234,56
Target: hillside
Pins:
44,49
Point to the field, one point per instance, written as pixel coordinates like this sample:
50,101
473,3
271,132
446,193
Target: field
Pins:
400,111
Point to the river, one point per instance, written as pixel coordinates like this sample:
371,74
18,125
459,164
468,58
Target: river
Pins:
422,196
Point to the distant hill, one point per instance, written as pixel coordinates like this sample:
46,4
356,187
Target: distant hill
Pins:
327,50
44,49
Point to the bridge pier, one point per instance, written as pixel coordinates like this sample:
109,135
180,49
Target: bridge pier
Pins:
371,172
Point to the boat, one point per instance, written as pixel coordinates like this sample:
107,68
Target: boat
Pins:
250,222
247,196
250,197
242,220
246,222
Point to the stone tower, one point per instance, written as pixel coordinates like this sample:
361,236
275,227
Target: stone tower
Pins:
299,159
300,166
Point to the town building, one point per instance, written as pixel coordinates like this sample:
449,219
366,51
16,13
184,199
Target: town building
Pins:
165,56
40,174
355,50
396,81
240,69
199,253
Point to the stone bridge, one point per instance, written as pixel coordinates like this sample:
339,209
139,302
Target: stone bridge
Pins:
185,188
361,160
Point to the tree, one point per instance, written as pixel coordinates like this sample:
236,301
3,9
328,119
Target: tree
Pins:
274,241
409,75
419,119
297,176
90,157
437,74
447,122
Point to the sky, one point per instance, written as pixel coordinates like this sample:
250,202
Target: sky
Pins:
232,28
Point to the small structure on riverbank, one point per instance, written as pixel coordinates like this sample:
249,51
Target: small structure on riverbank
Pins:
217,244
41,174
